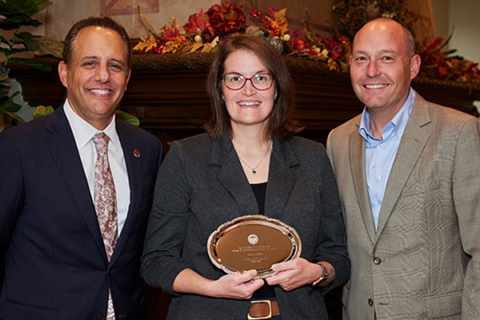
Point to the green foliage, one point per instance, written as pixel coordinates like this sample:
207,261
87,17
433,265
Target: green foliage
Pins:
14,15
19,13
127,117
7,104
41,65
42,111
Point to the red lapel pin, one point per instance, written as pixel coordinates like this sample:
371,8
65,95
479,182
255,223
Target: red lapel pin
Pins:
136,153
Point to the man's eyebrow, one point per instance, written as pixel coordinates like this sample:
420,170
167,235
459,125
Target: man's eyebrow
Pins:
88,58
118,61
381,51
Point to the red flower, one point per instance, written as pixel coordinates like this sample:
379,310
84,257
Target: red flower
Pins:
337,50
209,33
226,19
195,22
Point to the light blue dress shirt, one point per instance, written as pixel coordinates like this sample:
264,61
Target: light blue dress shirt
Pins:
380,153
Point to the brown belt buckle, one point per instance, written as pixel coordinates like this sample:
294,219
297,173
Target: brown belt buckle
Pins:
269,316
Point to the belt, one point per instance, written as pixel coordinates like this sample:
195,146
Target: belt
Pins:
263,309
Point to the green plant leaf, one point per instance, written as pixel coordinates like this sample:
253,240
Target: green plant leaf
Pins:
3,76
48,46
18,21
9,52
7,104
41,111
22,7
127,117
35,63
19,13
4,40
28,40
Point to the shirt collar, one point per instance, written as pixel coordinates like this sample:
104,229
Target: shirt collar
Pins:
397,124
83,131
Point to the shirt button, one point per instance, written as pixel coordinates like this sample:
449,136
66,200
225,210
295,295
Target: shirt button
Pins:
380,178
370,302
377,260
383,145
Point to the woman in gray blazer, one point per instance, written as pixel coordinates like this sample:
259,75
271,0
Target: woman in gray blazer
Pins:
248,162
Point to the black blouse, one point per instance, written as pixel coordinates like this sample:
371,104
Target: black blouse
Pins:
260,189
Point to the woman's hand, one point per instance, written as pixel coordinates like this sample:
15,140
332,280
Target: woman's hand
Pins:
230,286
296,273
236,286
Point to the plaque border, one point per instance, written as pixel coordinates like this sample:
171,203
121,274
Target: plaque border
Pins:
286,229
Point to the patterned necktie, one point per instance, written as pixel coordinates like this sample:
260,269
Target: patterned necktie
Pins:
105,203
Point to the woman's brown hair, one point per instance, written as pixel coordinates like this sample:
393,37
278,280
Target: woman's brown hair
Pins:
281,123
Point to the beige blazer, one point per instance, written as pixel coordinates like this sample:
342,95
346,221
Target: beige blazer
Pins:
423,261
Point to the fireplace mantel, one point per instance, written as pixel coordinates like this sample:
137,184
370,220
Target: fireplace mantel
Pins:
167,93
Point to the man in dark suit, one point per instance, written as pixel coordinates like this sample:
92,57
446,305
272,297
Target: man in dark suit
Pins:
73,219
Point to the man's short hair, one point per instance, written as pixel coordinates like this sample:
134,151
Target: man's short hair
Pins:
104,22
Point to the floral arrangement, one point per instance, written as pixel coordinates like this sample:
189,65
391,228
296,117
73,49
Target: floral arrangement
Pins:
335,51
274,24
355,13
442,65
204,31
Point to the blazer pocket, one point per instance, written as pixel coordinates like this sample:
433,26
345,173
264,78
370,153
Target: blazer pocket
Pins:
19,310
442,306
419,187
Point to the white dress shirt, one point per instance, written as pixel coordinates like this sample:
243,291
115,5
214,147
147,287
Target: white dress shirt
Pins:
83,133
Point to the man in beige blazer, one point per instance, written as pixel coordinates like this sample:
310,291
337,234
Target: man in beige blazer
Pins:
408,172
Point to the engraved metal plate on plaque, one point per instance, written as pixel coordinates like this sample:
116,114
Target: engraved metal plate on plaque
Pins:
253,242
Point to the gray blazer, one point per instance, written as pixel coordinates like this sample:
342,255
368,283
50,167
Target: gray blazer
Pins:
423,261
201,185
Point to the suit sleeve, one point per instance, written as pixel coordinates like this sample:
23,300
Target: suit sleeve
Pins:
161,260
11,191
466,195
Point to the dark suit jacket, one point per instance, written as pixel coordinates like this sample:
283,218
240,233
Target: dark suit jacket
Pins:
201,185
423,260
53,263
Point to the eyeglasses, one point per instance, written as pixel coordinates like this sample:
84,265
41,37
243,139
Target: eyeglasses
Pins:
236,81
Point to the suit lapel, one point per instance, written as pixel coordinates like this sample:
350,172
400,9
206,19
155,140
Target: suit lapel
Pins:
231,175
62,147
359,176
281,180
410,149
129,144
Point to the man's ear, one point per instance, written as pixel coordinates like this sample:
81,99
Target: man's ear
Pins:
415,63
128,78
62,73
